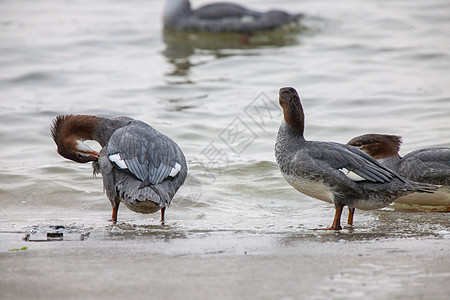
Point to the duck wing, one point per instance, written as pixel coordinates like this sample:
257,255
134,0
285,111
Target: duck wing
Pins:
350,160
146,153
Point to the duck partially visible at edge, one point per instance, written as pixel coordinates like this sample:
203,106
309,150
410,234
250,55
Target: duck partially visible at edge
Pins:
428,165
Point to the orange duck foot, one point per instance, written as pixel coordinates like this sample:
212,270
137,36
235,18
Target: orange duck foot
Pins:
329,228
115,210
113,221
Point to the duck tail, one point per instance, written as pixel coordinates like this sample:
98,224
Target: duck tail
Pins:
426,187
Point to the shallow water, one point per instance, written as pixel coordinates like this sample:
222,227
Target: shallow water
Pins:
359,66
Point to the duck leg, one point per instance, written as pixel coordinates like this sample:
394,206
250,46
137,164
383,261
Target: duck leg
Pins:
163,210
245,39
351,213
337,218
115,210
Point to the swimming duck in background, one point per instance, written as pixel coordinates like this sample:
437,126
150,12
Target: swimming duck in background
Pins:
222,17
429,165
140,166
333,172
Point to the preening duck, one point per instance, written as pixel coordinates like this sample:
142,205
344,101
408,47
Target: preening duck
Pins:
140,166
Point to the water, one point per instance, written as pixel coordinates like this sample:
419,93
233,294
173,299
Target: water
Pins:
359,66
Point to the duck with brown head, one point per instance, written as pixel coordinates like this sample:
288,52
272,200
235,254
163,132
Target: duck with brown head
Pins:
333,172
428,165
140,166
292,109
69,134
378,146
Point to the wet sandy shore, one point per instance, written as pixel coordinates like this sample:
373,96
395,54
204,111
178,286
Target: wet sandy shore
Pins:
158,262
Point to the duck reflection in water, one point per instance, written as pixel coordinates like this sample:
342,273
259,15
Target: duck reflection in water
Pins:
222,29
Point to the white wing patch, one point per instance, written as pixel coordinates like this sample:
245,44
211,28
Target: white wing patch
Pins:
175,170
351,175
115,158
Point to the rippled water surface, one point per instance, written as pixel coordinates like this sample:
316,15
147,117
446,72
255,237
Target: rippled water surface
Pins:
359,66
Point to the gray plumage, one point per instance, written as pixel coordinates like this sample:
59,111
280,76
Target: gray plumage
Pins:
430,165
222,17
140,166
323,161
326,170
149,156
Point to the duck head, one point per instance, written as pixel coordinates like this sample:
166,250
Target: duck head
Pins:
292,108
378,145
69,133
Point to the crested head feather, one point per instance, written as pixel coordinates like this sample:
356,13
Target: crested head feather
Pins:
56,126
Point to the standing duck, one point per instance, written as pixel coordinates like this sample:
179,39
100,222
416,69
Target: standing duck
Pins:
333,172
140,166
222,17
429,165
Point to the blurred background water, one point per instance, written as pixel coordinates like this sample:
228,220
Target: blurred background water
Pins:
359,66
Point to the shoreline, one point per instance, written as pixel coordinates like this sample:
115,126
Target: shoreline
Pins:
227,265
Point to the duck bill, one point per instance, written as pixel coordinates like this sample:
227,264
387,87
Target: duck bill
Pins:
94,155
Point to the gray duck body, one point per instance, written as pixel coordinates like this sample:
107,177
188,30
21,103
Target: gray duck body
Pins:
319,169
222,17
333,172
140,166
145,185
431,165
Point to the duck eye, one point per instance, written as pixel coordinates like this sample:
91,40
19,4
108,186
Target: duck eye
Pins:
79,155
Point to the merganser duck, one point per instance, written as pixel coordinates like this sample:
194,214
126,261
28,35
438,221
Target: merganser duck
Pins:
333,172
222,17
429,165
140,166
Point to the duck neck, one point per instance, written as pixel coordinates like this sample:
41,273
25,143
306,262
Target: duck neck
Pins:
294,119
290,132
106,127
86,127
82,127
